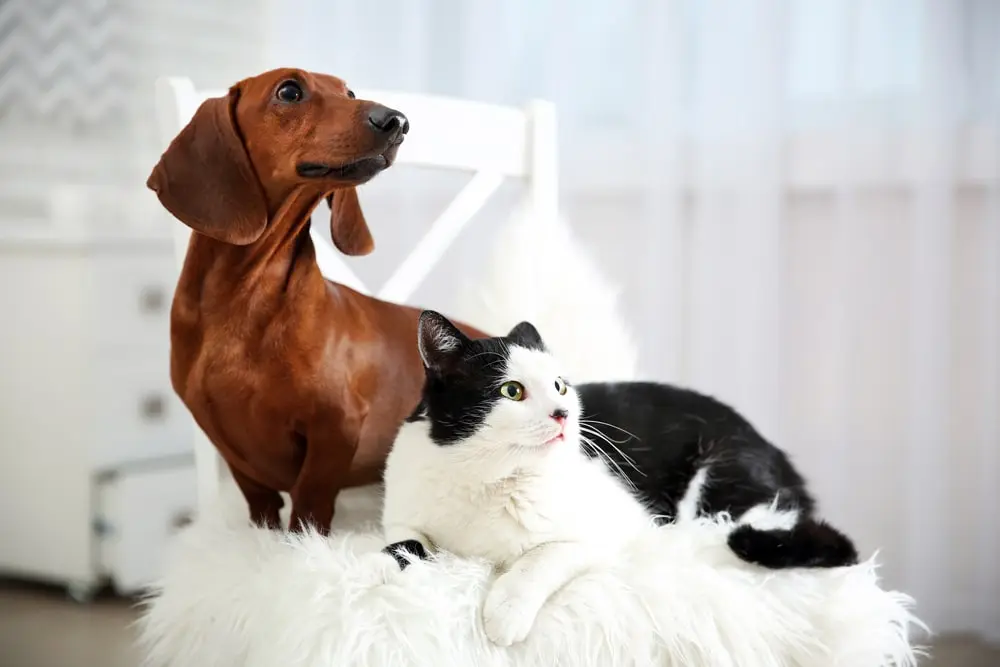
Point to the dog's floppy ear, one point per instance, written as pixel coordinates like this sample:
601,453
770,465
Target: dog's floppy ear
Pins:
348,227
205,178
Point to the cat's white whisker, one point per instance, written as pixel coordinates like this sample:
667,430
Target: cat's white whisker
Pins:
614,426
625,457
604,455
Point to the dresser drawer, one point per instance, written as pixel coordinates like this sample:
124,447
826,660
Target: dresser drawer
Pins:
139,509
137,415
132,297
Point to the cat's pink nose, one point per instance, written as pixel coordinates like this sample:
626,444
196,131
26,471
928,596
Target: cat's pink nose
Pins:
560,417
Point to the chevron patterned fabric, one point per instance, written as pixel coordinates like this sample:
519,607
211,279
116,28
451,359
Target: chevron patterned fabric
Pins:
65,60
77,94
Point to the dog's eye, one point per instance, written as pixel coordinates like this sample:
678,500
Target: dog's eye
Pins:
351,95
289,92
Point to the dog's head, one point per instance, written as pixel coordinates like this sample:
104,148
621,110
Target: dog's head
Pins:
242,155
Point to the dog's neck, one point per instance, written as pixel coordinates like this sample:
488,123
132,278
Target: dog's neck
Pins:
274,267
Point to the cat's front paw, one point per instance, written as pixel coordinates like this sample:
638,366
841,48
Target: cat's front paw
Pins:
509,613
402,551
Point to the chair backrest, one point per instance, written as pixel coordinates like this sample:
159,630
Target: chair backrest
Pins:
491,141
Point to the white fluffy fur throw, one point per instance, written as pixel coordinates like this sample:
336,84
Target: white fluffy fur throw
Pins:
561,289
236,595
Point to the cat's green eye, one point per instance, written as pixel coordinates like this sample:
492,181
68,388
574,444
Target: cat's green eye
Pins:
561,386
513,390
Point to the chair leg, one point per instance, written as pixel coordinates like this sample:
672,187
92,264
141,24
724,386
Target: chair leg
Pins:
207,463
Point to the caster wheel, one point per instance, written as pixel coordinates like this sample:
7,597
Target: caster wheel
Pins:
81,592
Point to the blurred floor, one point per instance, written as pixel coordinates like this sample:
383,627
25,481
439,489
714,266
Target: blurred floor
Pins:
42,628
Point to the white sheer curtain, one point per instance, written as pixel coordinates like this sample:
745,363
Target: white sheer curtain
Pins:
802,202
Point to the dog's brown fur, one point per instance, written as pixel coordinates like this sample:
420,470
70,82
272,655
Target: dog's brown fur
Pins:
300,383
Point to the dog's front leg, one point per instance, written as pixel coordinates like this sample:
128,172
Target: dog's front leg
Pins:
331,442
265,504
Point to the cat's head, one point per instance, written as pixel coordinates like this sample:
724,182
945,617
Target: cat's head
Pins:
500,394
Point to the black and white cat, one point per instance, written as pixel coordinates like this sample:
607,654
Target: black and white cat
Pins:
498,462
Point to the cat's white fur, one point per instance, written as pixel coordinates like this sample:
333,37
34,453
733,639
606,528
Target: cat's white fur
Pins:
541,511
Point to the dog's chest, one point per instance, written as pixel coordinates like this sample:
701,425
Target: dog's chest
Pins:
229,388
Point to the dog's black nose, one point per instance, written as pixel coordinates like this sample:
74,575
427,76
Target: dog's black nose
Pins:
387,120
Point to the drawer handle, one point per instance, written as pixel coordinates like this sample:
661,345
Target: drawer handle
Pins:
153,407
152,299
181,520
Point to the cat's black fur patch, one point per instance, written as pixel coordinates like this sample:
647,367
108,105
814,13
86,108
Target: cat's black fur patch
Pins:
671,432
668,432
398,550
463,375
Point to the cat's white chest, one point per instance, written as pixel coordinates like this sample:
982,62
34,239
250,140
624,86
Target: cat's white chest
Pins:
459,512
524,503
463,506
497,521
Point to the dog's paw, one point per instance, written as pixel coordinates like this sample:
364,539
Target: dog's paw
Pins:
509,613
404,551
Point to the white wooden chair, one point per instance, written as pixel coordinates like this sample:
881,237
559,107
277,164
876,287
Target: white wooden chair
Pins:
493,142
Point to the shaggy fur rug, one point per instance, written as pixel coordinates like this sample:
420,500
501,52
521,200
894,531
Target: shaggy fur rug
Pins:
237,595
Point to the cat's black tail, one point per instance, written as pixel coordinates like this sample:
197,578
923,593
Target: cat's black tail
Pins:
810,543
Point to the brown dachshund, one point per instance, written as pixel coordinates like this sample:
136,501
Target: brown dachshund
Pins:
300,383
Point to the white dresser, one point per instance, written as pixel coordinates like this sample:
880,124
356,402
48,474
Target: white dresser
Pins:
95,449
96,468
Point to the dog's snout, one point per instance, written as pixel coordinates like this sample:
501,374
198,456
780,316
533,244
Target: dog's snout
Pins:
388,121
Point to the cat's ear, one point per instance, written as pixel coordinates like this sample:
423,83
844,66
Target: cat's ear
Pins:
526,335
439,340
